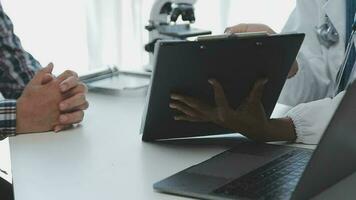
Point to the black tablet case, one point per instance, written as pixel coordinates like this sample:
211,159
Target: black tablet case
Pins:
237,63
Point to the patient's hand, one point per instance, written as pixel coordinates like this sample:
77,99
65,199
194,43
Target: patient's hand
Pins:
50,103
74,103
249,119
243,28
37,108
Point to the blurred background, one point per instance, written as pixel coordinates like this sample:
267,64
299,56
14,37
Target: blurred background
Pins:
87,34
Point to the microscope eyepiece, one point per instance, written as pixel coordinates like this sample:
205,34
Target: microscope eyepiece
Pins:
188,15
175,14
184,10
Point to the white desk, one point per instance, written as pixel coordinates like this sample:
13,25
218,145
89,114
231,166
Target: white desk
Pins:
104,158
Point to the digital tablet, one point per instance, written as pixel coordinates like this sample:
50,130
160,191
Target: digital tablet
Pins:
185,67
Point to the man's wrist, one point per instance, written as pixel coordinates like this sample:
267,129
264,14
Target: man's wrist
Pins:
21,115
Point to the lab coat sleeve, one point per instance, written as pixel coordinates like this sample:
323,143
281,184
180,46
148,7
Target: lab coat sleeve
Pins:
311,119
313,80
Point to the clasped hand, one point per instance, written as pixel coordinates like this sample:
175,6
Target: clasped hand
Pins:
50,103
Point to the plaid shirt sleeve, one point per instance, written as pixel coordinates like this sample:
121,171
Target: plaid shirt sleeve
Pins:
17,68
7,118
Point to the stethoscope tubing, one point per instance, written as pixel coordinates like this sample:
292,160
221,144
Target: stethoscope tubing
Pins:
346,58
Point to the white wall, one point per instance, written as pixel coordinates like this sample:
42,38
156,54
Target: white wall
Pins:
218,14
52,30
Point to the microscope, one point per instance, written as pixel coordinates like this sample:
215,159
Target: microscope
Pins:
163,24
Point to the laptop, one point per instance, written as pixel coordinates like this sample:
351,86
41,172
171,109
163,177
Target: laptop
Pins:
264,171
185,67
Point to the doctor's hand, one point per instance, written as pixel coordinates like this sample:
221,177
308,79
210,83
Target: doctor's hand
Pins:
243,28
248,119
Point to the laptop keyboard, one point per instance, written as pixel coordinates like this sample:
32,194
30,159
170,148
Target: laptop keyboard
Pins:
275,180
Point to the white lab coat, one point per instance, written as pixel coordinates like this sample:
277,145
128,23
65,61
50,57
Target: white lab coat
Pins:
311,91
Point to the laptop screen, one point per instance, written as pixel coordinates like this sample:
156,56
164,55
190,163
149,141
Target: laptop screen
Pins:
335,157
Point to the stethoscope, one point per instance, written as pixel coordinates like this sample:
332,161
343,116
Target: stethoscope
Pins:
328,36
327,33
350,43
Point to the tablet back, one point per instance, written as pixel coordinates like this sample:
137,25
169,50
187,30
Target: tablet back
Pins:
185,68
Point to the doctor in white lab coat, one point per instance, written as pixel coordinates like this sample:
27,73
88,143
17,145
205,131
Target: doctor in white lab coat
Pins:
310,89
314,84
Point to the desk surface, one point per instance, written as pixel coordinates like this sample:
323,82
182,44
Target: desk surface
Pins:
104,158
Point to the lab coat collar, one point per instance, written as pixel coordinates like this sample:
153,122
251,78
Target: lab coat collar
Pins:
335,10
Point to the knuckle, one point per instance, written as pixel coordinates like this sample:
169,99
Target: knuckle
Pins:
71,73
67,72
74,79
75,74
